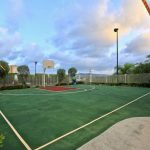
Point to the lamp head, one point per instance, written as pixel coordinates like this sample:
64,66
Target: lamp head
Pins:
116,29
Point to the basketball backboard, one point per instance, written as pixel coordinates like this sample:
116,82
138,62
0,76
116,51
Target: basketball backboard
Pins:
48,64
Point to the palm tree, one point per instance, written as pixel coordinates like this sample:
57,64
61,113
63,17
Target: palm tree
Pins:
126,69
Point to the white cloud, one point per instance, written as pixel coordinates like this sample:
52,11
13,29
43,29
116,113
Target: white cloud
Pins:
8,42
16,12
84,36
89,35
140,45
13,50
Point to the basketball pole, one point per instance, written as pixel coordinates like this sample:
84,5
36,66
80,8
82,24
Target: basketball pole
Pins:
35,71
44,77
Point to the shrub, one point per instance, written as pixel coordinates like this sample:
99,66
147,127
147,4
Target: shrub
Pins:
61,84
2,138
80,82
60,75
13,87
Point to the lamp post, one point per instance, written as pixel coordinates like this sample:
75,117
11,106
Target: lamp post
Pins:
116,30
35,71
35,66
90,73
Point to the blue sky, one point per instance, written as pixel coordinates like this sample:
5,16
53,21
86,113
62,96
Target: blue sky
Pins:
75,33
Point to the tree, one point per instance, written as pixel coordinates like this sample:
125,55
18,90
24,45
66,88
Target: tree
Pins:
23,73
60,75
126,68
2,137
143,67
72,71
148,59
4,69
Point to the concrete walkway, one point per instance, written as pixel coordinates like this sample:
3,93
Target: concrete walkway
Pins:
129,134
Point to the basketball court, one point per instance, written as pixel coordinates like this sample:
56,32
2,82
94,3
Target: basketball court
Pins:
66,117
40,119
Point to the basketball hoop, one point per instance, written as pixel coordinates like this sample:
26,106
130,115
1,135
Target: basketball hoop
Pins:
13,69
47,64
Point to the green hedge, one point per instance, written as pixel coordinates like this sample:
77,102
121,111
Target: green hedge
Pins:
61,84
78,82
123,84
14,87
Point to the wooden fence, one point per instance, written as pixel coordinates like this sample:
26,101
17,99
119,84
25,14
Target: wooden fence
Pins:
125,79
52,79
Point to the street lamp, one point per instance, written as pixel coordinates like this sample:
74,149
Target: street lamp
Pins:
116,30
35,66
35,71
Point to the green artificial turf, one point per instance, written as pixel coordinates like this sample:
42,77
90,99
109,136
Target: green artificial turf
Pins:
42,118
10,141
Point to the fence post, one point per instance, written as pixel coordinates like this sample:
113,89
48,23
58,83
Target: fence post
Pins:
106,80
125,78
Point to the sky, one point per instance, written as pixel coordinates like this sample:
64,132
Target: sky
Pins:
73,33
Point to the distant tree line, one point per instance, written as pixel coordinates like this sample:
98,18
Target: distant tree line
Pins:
142,67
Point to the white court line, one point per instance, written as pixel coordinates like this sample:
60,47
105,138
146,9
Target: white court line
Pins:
85,125
15,131
84,90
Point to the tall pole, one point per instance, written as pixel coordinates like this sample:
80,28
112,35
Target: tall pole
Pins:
117,52
90,72
44,77
116,30
35,66
35,71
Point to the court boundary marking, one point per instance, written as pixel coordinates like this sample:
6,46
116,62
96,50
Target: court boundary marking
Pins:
54,93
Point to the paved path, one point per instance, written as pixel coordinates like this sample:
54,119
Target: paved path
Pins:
129,134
